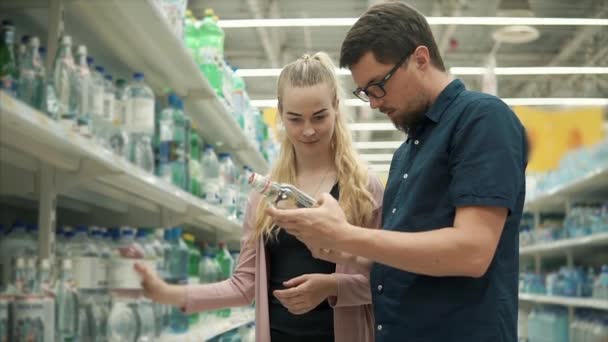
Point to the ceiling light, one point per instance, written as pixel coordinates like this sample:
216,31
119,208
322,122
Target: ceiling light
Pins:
534,101
487,21
380,167
464,71
365,145
380,157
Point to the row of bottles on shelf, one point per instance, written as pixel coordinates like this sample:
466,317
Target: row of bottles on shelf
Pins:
575,164
118,115
205,41
581,220
92,290
567,282
551,324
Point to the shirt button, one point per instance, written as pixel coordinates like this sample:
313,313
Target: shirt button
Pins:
379,327
379,288
394,209
405,176
416,142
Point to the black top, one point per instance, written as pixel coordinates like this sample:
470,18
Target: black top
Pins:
470,150
289,258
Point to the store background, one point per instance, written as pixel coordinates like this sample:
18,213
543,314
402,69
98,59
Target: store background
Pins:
563,287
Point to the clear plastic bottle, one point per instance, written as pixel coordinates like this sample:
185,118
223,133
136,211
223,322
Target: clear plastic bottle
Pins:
178,269
17,243
32,76
119,139
211,176
243,192
173,135
194,260
140,122
124,321
9,73
228,184
64,73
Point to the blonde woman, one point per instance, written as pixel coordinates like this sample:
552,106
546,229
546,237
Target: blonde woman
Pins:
298,297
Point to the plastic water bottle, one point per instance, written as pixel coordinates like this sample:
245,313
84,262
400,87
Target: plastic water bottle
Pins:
228,184
211,50
32,76
191,38
155,245
64,73
211,174
124,321
173,134
210,273
195,170
239,103
227,85
600,289
225,261
145,307
6,301
140,122
33,311
243,193
178,270
8,64
17,243
21,55
194,259
66,309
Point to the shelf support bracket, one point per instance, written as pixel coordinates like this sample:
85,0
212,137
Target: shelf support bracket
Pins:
47,214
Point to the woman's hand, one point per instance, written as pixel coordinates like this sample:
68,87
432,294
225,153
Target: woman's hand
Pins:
306,292
158,290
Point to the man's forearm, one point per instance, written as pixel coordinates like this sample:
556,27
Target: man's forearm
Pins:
441,252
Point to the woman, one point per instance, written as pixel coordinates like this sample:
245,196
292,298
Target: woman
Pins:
298,297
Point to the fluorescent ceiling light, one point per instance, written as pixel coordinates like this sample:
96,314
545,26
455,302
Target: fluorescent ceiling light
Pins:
487,21
380,167
516,71
533,101
372,126
274,72
365,145
377,157
464,71
556,101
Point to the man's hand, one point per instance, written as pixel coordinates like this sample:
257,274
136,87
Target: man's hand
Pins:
317,227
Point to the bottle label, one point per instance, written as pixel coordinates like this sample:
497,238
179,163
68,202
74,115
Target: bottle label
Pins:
34,319
108,106
166,130
84,272
101,273
208,55
97,102
142,112
122,274
229,197
212,191
119,112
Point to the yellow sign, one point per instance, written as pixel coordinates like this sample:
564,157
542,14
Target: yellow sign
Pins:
553,133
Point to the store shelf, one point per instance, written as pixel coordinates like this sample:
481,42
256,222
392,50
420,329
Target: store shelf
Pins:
588,303
129,36
86,172
560,246
204,331
589,187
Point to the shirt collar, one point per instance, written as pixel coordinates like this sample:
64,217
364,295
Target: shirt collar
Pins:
445,98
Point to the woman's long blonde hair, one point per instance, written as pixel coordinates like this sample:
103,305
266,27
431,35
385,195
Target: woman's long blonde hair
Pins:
355,199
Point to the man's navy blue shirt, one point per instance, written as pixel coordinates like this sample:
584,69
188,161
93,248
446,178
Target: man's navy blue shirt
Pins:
469,150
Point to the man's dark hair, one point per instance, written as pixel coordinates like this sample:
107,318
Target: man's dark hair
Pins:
391,31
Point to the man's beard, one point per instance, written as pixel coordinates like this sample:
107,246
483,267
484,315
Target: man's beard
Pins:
410,121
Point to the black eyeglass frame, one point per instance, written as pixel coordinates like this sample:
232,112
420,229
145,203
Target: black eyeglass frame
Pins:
380,84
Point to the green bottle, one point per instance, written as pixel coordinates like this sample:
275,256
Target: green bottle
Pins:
196,172
211,51
224,259
8,66
194,260
191,38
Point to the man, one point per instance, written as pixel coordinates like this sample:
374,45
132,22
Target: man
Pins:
445,264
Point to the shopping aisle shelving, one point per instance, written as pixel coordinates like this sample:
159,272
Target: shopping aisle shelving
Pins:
559,247
204,332
88,173
585,303
133,36
557,198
